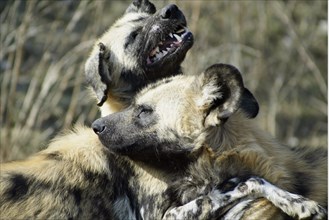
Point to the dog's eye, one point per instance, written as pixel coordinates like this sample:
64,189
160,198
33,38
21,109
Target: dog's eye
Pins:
144,111
130,39
133,35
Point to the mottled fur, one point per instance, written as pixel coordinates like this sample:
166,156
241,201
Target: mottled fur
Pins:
140,47
170,122
76,177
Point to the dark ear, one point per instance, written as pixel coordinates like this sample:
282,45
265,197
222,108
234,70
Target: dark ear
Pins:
141,6
223,93
249,104
97,71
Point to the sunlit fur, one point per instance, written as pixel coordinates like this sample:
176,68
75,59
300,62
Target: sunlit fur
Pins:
48,184
76,177
118,68
184,117
114,39
241,146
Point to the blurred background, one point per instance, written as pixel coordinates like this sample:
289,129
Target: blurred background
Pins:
279,46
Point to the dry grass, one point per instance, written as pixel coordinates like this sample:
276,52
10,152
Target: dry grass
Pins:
280,46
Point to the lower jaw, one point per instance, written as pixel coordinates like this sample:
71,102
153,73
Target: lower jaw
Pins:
174,53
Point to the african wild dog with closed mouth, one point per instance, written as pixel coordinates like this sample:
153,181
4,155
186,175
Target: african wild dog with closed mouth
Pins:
199,130
76,177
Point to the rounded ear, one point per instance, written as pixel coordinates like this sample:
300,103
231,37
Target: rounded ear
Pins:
143,6
223,93
97,72
249,104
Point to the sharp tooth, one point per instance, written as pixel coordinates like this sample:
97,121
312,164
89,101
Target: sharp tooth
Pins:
164,53
158,55
160,43
178,37
157,49
170,34
180,31
168,48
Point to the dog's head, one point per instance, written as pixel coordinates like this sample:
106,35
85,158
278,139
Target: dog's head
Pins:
174,116
142,46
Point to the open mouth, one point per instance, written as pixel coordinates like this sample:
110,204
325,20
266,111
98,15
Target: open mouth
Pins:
172,42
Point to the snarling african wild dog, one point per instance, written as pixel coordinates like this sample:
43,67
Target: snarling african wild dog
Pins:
199,130
140,47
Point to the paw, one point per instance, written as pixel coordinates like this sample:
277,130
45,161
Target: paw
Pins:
191,210
309,209
294,205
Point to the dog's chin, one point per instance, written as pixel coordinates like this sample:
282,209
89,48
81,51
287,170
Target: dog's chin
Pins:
124,149
135,153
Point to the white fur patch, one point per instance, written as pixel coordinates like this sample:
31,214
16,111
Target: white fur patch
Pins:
292,204
155,27
182,212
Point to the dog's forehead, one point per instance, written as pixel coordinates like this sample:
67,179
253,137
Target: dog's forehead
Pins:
118,35
124,27
131,19
167,90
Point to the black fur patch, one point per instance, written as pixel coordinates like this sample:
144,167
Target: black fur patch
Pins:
18,188
133,79
313,155
303,182
130,39
76,192
121,186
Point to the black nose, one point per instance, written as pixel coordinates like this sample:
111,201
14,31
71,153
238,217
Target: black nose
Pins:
98,126
170,11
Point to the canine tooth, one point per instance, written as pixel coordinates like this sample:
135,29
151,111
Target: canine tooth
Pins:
165,53
178,37
170,34
157,49
168,48
180,31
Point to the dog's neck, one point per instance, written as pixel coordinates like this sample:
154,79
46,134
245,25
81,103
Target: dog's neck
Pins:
235,131
168,166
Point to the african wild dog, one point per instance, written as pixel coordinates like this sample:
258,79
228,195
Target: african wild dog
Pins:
198,130
140,47
76,177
